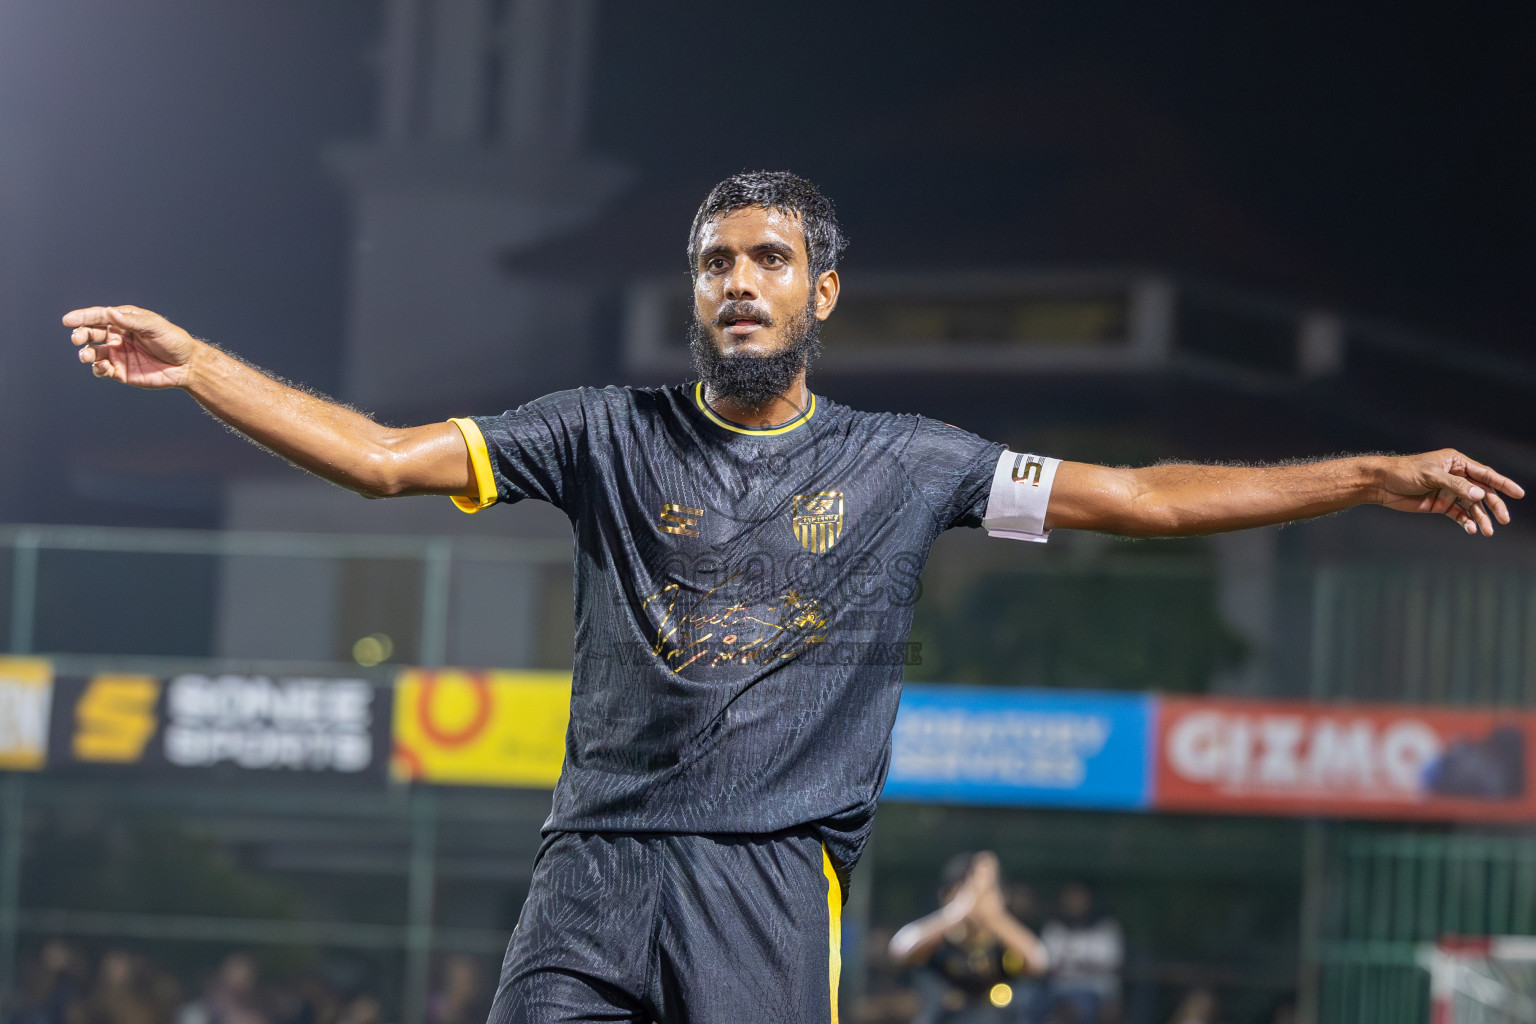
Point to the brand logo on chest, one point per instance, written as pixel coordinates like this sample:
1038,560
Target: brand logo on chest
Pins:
818,520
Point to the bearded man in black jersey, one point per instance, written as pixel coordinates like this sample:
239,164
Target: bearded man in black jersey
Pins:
746,559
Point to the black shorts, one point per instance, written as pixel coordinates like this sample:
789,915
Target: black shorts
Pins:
678,929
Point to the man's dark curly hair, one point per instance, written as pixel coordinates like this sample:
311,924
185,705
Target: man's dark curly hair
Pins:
777,190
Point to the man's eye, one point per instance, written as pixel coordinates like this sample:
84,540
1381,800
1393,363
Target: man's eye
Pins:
715,264
773,259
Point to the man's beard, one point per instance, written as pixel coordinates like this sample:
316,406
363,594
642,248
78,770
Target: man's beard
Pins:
754,381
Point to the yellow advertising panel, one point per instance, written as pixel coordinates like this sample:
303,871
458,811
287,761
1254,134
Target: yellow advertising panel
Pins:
474,728
26,693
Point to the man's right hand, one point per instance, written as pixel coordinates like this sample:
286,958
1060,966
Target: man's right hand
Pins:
144,349
133,346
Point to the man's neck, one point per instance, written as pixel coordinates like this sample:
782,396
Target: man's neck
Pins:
779,409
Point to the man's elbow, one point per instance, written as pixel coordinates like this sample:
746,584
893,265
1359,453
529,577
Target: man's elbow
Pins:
1150,519
380,475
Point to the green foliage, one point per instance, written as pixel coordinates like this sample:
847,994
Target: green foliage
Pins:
1103,628
146,865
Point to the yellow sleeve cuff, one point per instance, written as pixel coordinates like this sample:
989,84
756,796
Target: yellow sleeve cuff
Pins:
480,462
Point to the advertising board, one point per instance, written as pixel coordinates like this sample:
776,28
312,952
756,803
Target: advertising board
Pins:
481,728
990,745
1358,761
26,698
228,726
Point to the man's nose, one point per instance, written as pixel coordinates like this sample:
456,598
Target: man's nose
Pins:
741,283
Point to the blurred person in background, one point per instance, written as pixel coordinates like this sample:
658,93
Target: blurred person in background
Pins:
230,996
974,952
363,1008
52,986
1087,951
313,1001
129,989
1199,1006
888,997
460,996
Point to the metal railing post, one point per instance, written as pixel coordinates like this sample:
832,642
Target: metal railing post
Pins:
434,602
420,897
12,807
1314,866
24,590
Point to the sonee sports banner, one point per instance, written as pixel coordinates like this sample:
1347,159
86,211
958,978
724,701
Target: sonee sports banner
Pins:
227,726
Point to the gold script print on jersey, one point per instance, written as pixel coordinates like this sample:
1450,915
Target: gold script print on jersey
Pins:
680,520
818,520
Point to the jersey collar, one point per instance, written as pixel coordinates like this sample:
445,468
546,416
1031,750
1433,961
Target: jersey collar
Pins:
737,428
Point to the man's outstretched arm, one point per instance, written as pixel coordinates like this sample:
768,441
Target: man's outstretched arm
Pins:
143,349
1177,501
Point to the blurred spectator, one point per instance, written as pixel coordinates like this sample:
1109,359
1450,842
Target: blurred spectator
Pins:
1200,1006
460,997
312,1001
974,950
362,1009
128,990
1087,950
886,999
52,986
229,997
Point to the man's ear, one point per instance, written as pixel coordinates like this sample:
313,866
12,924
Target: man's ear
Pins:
827,287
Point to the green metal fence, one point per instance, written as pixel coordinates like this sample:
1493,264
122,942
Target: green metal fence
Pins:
1435,634
1431,634
1382,893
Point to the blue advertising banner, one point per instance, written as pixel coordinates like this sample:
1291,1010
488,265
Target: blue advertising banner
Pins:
1044,748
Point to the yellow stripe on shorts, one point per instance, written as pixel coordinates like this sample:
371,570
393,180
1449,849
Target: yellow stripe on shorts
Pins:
834,926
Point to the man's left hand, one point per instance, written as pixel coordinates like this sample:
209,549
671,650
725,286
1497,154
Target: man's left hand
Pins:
1450,484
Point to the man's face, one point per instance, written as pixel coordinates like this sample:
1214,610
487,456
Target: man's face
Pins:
752,287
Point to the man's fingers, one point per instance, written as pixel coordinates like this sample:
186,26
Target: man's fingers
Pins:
1486,475
1463,488
96,336
1459,515
131,317
1496,506
86,317
1480,517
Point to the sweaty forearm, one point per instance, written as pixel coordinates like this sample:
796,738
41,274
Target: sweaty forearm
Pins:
1178,500
329,440
1175,501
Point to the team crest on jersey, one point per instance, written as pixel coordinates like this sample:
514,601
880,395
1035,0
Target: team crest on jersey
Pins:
818,520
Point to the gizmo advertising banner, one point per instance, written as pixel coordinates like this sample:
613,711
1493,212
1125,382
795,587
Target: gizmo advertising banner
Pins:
1356,761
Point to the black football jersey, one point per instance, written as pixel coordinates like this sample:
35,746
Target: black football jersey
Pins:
743,599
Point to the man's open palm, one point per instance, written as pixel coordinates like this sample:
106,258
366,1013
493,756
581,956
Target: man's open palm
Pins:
132,345
1448,483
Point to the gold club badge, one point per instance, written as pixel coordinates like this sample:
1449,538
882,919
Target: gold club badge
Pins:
818,520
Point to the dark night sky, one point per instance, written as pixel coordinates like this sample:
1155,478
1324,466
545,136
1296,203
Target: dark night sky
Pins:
168,152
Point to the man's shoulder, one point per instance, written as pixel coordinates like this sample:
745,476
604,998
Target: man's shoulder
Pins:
614,398
867,421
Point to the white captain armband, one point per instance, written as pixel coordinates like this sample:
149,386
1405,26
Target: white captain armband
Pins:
1021,491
